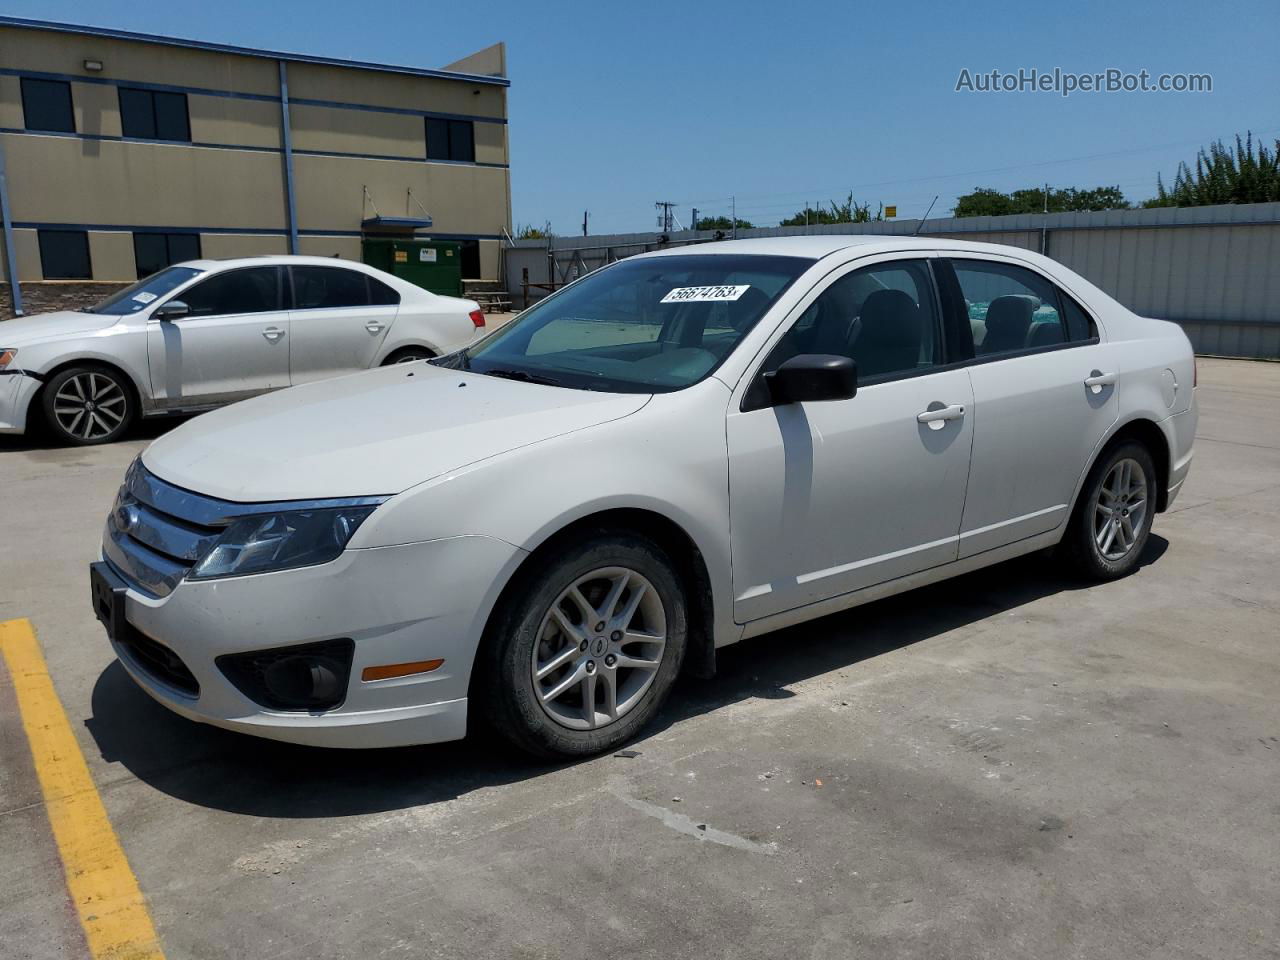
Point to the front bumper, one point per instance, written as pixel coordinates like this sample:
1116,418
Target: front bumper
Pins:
16,391
412,602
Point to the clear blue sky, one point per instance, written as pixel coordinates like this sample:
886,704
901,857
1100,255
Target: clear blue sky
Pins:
614,106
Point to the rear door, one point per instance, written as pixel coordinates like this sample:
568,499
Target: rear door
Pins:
232,344
338,322
1044,390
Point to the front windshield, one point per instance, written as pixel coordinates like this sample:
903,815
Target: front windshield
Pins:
647,325
145,292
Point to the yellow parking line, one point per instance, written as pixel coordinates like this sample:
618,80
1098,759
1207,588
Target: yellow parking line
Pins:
112,911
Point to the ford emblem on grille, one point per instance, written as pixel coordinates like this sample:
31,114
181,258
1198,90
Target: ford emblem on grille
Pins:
127,517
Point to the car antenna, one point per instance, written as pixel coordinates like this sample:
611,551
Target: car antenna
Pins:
919,225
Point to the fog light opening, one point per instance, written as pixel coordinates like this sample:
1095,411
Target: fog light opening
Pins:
311,676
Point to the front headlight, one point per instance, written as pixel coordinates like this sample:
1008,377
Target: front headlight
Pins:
281,541
6,356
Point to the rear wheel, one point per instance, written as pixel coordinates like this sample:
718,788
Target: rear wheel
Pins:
87,405
1112,521
587,649
408,355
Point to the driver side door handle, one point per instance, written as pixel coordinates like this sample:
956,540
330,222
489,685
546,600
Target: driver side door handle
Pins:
937,419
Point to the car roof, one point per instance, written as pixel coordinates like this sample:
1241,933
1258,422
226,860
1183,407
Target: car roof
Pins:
817,246
271,259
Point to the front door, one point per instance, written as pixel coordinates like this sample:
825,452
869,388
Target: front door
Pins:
1044,389
339,319
232,344
828,498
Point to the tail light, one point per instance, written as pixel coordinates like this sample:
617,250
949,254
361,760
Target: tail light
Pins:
477,318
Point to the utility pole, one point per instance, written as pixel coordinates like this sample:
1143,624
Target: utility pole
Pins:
733,216
1044,226
665,218
584,223
693,220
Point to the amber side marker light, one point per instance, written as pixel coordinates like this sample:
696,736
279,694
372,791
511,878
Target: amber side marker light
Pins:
389,671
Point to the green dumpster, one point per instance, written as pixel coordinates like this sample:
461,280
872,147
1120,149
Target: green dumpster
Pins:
434,265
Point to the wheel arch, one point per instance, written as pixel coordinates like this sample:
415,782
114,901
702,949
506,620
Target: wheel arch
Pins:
1147,432
691,568
37,398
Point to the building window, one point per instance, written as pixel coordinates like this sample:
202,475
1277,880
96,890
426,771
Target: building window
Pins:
154,115
64,255
155,251
46,105
451,140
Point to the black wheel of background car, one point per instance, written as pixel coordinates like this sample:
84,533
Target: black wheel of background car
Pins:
88,404
585,648
1112,519
408,355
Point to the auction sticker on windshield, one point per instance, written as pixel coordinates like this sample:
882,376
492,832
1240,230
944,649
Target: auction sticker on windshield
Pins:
704,294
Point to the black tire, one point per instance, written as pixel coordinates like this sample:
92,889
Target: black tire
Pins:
408,355
1080,546
502,692
88,404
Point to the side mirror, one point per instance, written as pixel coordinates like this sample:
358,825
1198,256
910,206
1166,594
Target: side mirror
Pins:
171,310
813,376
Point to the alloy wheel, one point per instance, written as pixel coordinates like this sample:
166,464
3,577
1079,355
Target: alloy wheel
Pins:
90,406
1120,510
598,648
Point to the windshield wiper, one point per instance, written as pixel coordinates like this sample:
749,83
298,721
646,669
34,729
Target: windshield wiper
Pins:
522,375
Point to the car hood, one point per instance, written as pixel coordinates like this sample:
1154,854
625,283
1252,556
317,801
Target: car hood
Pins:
378,432
51,326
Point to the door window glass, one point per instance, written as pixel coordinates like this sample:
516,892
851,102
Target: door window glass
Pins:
1011,309
317,288
883,317
255,290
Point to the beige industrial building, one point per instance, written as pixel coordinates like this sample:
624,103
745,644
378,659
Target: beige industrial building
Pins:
122,152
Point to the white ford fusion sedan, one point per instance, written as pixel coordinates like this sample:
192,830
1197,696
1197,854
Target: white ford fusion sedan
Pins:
673,453
205,333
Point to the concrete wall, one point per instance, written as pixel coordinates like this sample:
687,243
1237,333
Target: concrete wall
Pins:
1213,270
351,127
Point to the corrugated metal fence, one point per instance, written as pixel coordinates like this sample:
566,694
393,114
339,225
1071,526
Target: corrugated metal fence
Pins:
1214,270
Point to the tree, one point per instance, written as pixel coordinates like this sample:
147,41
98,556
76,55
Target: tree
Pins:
722,223
1224,175
986,202
850,211
530,232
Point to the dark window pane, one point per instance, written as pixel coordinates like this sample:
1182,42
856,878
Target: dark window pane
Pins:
1080,325
254,290
320,287
437,139
1010,308
150,253
462,141
882,317
381,295
64,255
184,246
471,259
171,116
46,105
137,114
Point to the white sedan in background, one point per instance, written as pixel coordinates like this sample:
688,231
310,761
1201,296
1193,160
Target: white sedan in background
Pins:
673,453
205,333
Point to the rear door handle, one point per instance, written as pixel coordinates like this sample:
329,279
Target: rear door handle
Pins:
373,326
1097,380
937,418
273,333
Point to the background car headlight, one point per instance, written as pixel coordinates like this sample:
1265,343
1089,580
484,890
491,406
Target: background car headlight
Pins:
280,541
6,356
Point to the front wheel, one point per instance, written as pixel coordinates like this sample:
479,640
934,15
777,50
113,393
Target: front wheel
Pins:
1112,521
88,405
587,650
